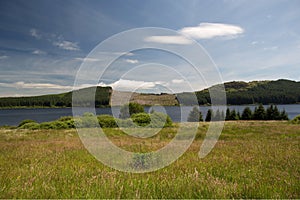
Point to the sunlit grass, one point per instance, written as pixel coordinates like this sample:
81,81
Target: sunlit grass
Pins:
251,160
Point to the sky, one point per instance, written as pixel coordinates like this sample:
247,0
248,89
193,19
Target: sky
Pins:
43,43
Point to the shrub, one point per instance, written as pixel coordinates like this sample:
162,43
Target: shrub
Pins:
30,125
159,120
25,122
65,118
141,119
54,125
125,123
88,120
107,121
296,120
129,109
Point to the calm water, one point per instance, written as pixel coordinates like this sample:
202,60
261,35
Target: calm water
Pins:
15,116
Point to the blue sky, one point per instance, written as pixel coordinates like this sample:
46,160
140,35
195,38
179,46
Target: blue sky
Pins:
43,42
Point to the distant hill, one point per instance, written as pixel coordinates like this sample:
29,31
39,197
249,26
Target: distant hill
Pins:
265,92
102,97
237,92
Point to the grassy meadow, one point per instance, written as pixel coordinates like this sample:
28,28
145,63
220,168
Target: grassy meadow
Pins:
252,159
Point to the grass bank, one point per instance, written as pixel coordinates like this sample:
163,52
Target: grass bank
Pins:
252,159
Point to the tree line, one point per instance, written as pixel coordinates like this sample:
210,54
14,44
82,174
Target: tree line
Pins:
259,113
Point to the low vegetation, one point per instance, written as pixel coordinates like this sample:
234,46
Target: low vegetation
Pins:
252,159
131,115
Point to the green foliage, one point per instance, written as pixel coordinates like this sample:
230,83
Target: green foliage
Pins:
247,114
195,115
154,120
25,122
54,125
259,113
107,121
159,120
141,119
296,120
233,115
209,115
88,120
129,109
30,125
238,93
227,117
125,122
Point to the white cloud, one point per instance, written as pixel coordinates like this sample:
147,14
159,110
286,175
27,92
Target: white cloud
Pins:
211,30
24,85
35,85
176,81
168,39
3,57
131,61
132,85
88,59
67,45
271,48
39,52
34,33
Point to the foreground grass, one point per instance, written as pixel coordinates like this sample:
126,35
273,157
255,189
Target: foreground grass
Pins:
250,160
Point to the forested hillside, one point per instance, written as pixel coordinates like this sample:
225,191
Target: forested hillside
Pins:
265,92
255,92
58,100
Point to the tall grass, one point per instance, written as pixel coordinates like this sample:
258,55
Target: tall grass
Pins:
251,160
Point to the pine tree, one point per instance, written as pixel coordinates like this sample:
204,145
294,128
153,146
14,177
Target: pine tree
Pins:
259,113
195,115
208,115
247,114
227,114
233,115
283,115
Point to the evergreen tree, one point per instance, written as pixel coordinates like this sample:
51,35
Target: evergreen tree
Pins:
247,114
259,113
195,115
208,115
283,115
227,114
238,115
217,116
233,115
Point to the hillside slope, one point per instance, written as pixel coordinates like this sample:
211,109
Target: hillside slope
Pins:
237,92
265,92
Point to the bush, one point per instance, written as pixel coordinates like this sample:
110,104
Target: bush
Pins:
125,123
160,120
296,120
25,122
54,125
129,109
107,121
65,118
141,119
88,120
30,125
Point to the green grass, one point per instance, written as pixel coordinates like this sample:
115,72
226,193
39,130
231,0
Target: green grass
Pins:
253,159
